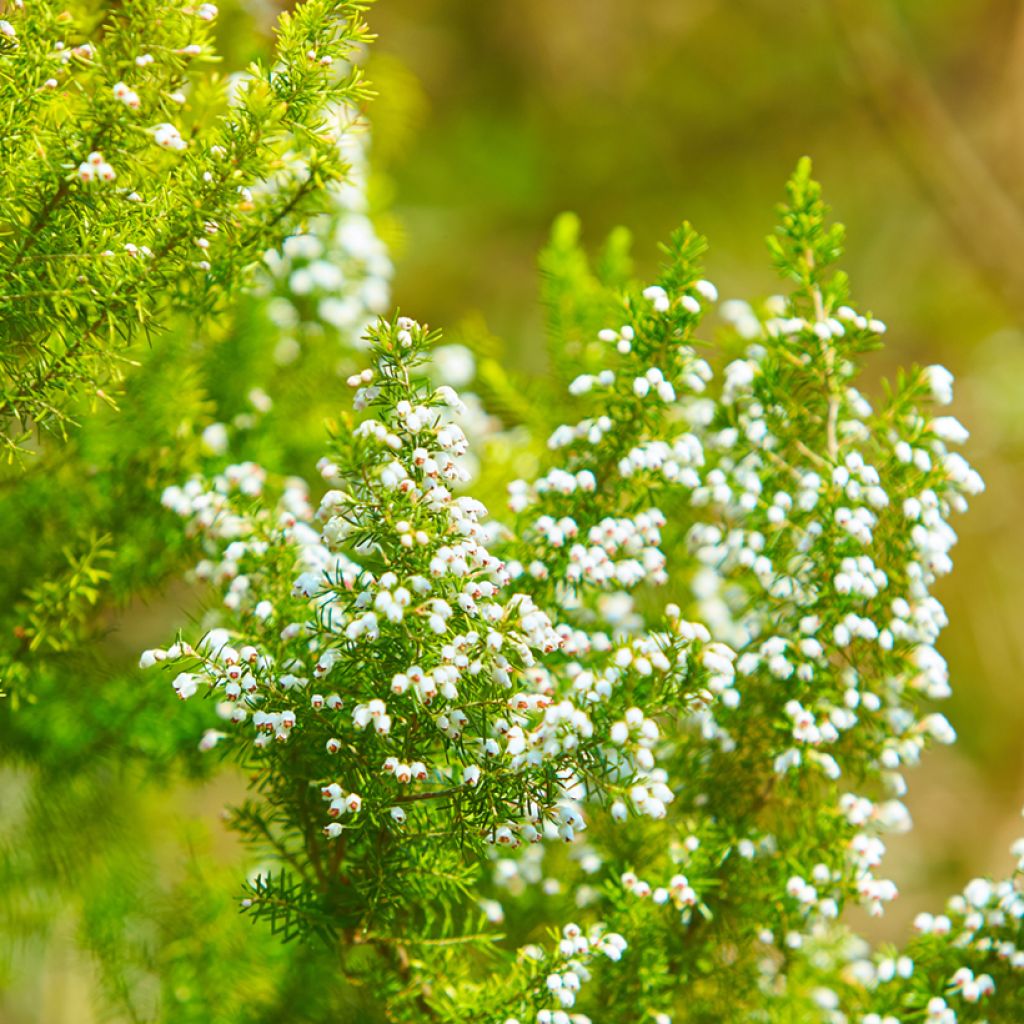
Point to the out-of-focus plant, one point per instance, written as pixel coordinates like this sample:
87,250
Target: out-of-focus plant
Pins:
450,721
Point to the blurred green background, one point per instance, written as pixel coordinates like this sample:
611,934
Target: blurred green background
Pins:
496,115
648,112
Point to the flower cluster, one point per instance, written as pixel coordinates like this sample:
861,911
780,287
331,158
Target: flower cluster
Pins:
568,970
479,719
410,681
95,168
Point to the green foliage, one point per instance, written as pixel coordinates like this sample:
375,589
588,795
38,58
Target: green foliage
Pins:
87,548
135,184
56,610
806,244
578,299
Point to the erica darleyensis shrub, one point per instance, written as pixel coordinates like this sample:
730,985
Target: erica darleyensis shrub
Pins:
107,215
137,181
628,748
156,248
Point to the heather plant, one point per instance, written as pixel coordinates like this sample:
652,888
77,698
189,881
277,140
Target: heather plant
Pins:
138,181
79,488
629,749
73,698
86,547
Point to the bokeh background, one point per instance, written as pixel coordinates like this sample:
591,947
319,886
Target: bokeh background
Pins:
494,116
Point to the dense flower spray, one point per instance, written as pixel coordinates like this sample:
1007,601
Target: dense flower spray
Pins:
446,715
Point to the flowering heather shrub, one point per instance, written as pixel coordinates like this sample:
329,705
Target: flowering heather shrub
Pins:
660,707
82,742
136,182
97,542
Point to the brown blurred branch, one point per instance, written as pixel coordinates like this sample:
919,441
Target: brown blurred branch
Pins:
1012,120
953,173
